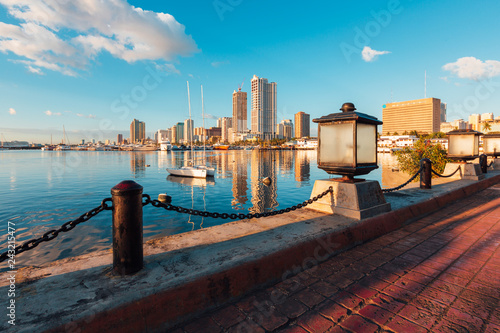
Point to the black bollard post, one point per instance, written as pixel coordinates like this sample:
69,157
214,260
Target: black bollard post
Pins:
425,174
483,162
127,227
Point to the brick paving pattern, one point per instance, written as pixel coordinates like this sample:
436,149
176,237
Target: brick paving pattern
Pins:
438,274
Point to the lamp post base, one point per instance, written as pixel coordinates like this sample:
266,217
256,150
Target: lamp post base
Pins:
358,200
496,164
469,171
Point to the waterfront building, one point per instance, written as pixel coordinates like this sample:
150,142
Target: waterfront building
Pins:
284,129
213,134
264,108
302,125
487,117
457,124
188,130
161,135
226,124
474,120
240,122
119,139
179,129
421,115
137,131
444,106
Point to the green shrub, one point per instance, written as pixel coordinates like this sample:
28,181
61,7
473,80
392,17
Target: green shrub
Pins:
409,157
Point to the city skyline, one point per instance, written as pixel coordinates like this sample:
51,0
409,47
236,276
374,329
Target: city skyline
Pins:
94,73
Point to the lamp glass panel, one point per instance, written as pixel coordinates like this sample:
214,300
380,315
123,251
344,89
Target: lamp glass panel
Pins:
336,143
491,145
366,143
476,145
461,145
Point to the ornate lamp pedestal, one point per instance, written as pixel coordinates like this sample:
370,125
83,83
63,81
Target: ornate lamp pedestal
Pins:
463,146
470,171
357,200
347,146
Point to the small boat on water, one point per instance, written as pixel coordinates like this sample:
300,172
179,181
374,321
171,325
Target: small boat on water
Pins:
221,147
148,147
165,145
196,171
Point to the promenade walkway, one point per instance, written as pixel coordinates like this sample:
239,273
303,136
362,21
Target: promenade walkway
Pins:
438,274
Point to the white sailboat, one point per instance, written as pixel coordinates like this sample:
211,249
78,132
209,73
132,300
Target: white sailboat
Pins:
189,171
210,170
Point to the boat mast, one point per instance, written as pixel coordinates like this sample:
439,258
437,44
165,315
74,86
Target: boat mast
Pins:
190,129
203,121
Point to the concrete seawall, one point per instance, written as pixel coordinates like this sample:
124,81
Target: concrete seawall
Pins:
187,274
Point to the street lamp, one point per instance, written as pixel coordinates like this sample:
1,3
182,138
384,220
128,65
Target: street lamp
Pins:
347,146
491,144
347,143
463,144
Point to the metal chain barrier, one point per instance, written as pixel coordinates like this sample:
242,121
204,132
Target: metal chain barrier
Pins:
51,234
443,176
232,216
386,190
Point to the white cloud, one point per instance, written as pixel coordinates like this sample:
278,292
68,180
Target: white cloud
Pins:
90,116
473,68
50,113
219,63
12,111
64,36
368,54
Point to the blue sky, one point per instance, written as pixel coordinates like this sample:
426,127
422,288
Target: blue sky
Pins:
94,65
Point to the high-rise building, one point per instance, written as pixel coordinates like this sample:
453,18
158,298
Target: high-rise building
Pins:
302,125
188,130
174,134
226,124
264,108
487,116
239,111
284,129
443,112
421,115
137,131
474,121
179,128
119,139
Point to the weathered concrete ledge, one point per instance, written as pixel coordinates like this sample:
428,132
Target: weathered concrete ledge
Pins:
189,273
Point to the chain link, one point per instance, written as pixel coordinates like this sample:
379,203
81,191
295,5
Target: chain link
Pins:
233,216
443,176
386,190
51,234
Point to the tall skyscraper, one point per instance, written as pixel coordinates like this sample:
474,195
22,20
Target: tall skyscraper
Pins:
137,131
179,127
119,139
421,115
264,108
302,125
188,130
240,123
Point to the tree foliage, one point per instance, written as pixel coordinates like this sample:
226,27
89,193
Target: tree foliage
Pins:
409,157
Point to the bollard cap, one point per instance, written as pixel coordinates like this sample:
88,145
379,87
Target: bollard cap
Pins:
126,187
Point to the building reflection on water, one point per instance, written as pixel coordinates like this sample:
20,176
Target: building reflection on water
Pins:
244,171
138,164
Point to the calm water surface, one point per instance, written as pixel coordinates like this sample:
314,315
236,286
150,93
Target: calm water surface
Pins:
40,190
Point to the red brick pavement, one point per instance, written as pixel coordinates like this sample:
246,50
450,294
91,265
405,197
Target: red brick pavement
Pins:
438,274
